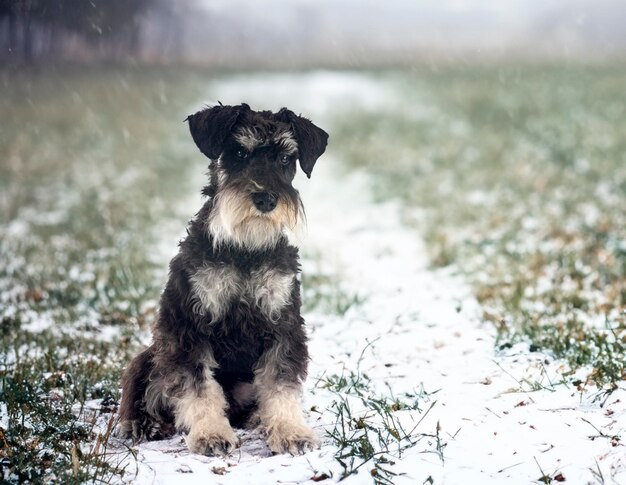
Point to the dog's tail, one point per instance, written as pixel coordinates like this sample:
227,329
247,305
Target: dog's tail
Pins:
134,420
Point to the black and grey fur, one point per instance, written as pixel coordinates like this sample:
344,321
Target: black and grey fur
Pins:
229,342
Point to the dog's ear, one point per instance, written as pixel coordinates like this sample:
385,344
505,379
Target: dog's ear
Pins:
210,127
311,139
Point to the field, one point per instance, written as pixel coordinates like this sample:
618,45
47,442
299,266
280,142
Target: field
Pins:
519,178
488,201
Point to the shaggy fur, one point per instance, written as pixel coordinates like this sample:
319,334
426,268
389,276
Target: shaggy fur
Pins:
229,341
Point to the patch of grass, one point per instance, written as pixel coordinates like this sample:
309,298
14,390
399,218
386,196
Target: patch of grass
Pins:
324,291
91,164
518,177
48,431
371,429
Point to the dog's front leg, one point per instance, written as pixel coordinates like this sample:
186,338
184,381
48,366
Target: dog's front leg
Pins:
279,408
201,410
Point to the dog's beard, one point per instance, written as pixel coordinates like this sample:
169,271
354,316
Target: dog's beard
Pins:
234,220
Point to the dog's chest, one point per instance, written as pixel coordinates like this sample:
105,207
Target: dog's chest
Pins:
217,287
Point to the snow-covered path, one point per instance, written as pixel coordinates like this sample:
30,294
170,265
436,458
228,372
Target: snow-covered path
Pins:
422,328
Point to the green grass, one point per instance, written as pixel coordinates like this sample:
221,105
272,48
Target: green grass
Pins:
518,177
324,291
370,428
92,164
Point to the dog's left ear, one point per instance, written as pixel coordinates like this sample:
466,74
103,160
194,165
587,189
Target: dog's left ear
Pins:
311,139
210,127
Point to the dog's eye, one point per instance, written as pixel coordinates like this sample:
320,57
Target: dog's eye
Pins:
242,154
286,159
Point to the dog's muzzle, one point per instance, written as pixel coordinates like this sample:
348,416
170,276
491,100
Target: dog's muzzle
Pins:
264,201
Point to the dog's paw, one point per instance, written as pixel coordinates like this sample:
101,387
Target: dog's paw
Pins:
296,440
212,440
143,429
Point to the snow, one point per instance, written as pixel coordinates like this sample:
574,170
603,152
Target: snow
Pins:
504,417
315,95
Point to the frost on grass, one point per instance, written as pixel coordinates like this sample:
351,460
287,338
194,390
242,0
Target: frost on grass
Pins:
84,156
373,430
324,289
89,179
518,177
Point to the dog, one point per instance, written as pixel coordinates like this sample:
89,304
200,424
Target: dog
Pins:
229,346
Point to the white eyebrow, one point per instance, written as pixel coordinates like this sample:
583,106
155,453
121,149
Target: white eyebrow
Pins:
247,138
287,141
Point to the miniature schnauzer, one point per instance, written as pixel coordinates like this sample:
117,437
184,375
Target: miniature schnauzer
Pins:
229,345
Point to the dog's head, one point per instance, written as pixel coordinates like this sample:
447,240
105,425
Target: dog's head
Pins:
254,155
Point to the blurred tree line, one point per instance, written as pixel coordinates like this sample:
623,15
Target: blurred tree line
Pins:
82,30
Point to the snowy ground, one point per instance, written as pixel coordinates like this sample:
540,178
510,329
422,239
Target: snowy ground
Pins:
501,418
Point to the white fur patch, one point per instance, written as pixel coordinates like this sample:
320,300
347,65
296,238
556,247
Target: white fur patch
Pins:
271,290
214,288
287,142
251,139
260,233
207,403
248,138
281,416
203,413
236,221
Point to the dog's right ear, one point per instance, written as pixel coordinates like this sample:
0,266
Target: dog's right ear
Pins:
210,127
311,139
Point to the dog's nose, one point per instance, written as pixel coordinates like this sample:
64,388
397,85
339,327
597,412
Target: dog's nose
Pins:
264,201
